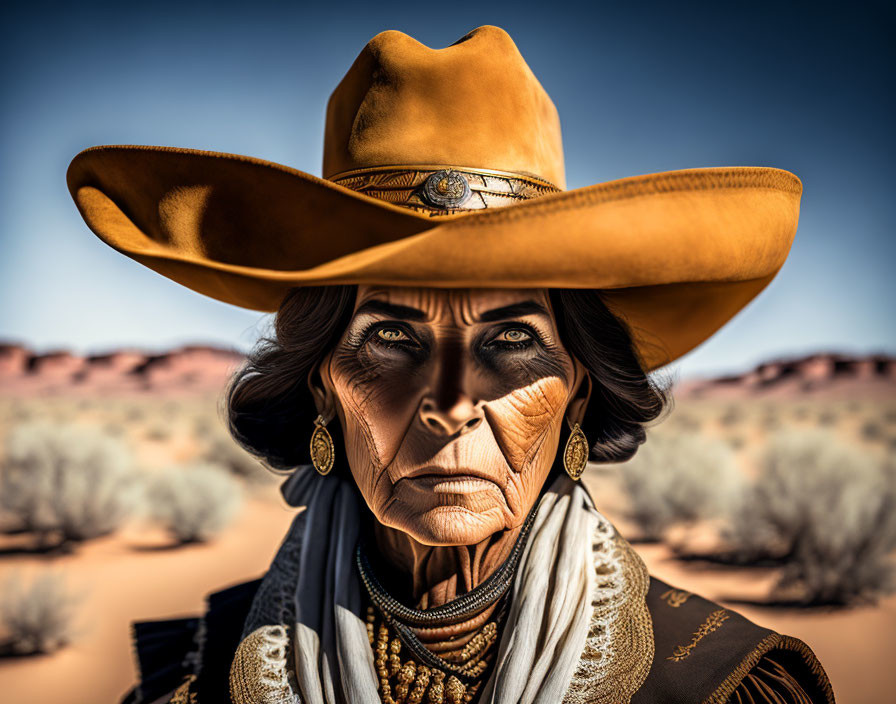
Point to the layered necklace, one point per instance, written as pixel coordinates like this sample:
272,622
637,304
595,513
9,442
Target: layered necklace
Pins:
408,672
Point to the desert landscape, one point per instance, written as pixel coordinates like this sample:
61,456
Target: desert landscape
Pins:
122,498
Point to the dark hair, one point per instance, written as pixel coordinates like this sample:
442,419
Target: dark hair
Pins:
623,397
270,410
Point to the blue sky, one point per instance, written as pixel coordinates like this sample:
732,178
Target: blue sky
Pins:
640,88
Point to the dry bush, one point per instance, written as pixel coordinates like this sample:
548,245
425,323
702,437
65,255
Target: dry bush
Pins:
172,409
115,429
158,432
205,426
736,441
826,511
682,420
38,617
770,421
135,414
21,413
70,479
679,477
872,430
195,502
221,449
829,416
801,412
733,415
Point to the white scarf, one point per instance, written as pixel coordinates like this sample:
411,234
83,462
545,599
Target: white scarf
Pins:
557,643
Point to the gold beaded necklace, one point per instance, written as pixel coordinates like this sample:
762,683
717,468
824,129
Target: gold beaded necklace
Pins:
407,681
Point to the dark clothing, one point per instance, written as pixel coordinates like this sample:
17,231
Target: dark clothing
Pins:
704,653
707,653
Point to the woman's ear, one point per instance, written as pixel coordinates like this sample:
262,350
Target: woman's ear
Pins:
575,409
321,387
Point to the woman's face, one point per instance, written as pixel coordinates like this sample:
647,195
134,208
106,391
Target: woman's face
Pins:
452,405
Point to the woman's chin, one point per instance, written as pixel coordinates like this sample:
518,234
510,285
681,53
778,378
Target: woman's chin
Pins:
448,523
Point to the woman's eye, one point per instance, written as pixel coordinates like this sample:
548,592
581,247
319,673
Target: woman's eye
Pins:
513,336
392,335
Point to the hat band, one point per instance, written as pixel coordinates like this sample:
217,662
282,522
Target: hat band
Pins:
441,190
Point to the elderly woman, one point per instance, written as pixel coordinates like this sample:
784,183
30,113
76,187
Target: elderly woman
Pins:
456,336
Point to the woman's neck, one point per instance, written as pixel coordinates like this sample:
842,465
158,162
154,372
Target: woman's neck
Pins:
434,575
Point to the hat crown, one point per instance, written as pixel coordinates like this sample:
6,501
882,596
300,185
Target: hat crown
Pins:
473,104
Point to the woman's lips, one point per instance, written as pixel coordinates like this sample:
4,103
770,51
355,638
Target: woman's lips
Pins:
452,483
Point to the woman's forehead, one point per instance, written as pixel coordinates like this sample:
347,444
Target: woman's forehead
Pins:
465,305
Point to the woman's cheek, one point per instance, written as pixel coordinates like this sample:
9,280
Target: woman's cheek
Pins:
522,420
374,425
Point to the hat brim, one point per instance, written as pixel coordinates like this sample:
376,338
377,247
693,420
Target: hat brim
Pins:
677,253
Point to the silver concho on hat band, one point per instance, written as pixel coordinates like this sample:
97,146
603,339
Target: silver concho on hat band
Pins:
446,189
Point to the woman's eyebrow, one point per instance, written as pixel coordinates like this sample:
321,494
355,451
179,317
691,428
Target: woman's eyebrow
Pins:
514,310
393,310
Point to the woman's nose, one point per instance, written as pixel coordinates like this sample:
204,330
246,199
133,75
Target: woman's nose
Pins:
455,418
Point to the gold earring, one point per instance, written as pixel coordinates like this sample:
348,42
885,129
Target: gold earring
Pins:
322,451
575,455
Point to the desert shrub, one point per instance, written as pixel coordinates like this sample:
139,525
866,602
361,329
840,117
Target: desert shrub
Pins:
20,413
37,617
801,412
135,414
26,481
732,416
829,416
679,477
172,409
204,427
770,421
736,441
194,502
682,420
114,428
872,430
70,479
824,510
158,432
221,449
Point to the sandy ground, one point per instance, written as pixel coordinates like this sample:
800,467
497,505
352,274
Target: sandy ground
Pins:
134,576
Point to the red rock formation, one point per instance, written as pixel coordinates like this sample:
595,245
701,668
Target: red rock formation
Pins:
13,360
819,374
192,369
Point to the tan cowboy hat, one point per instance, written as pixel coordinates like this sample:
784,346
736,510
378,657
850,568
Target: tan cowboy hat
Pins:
444,168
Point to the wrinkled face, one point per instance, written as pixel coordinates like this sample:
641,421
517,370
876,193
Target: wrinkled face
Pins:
452,405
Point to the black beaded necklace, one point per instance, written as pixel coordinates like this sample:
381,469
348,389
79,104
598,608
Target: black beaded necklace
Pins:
458,609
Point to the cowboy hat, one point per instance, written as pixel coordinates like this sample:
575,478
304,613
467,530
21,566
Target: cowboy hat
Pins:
444,168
